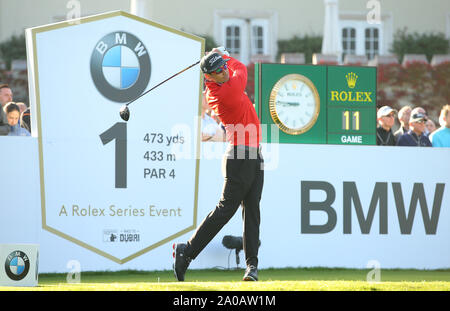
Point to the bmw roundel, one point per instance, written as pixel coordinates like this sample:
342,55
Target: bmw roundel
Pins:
17,265
120,66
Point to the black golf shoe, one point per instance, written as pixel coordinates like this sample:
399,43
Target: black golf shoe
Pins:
181,261
251,274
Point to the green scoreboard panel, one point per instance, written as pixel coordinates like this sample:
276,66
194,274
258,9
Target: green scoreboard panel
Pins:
351,105
316,104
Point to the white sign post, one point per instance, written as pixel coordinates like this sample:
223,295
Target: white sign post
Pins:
117,188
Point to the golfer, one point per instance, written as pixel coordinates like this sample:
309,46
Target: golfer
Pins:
226,79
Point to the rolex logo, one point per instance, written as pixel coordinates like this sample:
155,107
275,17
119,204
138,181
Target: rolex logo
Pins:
351,79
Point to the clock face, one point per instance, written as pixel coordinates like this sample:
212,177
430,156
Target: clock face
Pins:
294,104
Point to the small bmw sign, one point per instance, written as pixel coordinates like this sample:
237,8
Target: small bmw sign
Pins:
19,264
120,66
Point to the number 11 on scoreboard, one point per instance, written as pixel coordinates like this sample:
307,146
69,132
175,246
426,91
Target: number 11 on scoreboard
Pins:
346,120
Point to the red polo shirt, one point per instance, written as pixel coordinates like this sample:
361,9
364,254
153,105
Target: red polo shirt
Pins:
233,107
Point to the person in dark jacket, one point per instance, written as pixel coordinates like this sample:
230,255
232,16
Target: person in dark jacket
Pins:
415,137
403,117
386,119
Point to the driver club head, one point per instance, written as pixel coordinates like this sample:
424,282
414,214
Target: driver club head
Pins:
124,113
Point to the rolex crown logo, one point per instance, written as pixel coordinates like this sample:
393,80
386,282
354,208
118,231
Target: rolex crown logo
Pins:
351,79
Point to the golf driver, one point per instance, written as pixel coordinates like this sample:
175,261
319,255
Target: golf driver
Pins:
125,112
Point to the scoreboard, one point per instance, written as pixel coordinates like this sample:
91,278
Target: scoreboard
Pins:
316,104
351,105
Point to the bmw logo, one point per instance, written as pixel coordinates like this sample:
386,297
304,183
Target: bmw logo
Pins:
120,66
17,265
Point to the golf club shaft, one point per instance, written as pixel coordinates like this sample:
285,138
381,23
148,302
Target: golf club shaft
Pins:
163,82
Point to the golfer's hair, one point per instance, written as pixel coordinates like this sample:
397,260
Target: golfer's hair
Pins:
11,106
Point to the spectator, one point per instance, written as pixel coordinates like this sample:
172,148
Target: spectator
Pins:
25,120
6,94
12,115
386,119
211,130
403,117
441,137
415,136
426,132
430,126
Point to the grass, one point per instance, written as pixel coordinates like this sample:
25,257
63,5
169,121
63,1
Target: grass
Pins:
289,279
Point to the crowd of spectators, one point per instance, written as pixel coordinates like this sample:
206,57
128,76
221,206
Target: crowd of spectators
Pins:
416,128
14,117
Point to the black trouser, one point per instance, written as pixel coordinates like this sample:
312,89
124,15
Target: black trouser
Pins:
244,178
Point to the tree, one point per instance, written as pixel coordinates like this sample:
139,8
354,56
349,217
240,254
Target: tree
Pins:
13,48
415,43
307,44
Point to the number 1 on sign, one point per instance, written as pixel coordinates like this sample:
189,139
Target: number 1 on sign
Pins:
118,132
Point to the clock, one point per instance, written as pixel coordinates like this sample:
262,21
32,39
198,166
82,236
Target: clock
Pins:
294,104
